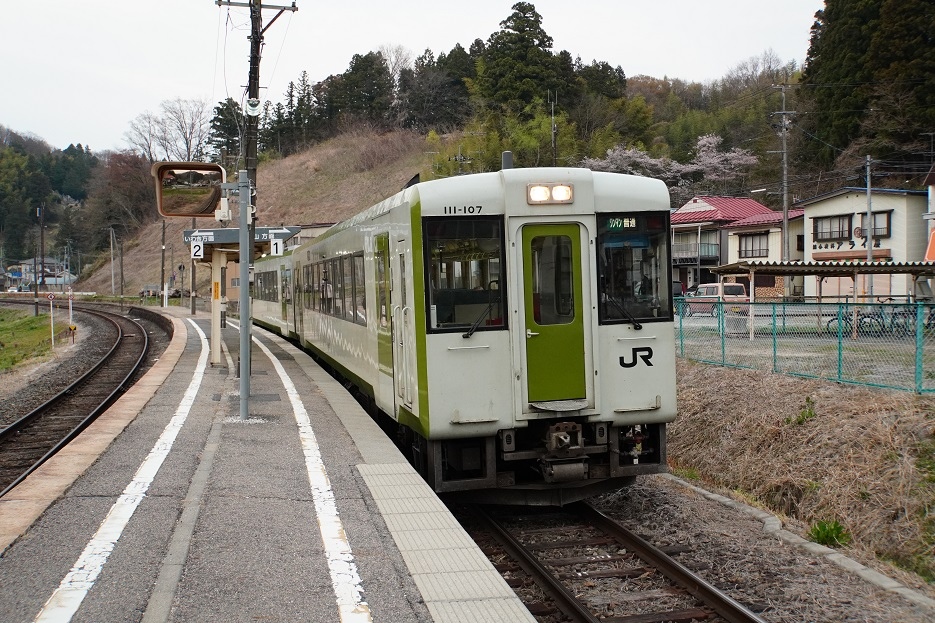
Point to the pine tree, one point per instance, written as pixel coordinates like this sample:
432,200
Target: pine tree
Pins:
838,75
870,79
517,67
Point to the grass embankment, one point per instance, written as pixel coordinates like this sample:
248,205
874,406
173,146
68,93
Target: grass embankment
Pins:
22,337
854,464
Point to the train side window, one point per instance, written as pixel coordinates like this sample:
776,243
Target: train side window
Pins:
337,268
328,290
316,286
347,268
464,285
359,298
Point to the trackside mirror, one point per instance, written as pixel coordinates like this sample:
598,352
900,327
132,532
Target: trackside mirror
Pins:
190,190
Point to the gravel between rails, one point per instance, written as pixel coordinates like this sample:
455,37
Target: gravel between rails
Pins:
781,581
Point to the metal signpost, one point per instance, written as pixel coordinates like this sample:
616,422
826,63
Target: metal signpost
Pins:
246,255
52,317
199,189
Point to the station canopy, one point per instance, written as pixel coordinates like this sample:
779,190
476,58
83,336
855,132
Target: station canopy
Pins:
827,269
920,271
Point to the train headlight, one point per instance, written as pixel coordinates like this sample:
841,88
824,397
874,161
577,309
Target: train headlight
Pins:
537,194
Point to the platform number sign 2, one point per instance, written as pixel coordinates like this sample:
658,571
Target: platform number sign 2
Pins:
198,250
276,246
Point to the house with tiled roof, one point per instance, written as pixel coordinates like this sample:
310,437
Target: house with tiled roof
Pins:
759,237
700,238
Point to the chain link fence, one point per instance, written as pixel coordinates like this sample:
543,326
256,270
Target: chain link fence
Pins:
874,344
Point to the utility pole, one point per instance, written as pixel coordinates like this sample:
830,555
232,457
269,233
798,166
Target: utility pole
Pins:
41,215
868,222
783,132
113,290
868,231
162,267
247,182
122,282
554,127
253,87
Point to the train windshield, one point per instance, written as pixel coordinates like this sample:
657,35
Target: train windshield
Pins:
633,267
463,264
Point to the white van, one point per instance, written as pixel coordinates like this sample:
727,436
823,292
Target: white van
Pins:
704,300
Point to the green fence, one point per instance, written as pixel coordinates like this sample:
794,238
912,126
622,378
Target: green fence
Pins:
874,344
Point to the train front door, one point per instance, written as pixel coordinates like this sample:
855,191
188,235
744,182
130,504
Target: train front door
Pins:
553,313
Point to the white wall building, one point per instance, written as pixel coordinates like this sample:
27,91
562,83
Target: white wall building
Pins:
834,230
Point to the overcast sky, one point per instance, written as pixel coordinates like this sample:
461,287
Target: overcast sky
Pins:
80,71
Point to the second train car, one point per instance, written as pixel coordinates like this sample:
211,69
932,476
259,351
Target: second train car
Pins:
515,327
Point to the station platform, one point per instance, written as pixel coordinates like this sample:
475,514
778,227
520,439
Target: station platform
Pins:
171,507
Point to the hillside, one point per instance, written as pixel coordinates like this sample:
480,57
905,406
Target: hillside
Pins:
326,184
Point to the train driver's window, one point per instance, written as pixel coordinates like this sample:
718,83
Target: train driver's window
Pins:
633,267
464,285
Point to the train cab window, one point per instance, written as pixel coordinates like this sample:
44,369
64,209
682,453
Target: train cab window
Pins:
464,276
633,267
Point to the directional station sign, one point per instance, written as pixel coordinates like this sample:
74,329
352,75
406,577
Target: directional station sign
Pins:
267,240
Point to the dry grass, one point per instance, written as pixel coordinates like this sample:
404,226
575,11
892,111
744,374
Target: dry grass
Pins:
816,451
338,178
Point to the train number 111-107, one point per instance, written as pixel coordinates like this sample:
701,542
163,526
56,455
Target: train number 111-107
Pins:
462,209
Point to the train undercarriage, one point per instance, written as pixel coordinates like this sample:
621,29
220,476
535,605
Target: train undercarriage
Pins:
547,464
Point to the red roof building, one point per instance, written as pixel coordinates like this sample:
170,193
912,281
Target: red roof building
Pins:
699,235
718,209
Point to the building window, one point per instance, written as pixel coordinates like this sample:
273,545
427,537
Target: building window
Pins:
832,228
754,245
881,224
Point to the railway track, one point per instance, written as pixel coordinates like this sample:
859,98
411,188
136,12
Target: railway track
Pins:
32,439
576,564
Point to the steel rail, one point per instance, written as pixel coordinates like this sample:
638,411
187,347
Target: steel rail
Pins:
570,605
13,428
723,604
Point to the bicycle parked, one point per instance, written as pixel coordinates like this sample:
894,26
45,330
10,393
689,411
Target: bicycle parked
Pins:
881,319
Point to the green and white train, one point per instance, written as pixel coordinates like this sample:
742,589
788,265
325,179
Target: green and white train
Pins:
515,328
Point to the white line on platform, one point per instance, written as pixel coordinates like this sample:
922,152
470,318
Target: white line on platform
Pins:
67,598
344,577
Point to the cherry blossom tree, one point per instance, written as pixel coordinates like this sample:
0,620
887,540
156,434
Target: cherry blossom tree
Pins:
711,170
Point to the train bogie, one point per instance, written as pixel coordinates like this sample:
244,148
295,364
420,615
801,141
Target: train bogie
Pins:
517,326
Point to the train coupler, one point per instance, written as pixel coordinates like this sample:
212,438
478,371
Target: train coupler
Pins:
563,470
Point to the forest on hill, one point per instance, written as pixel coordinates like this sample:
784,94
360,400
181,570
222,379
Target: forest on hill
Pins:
867,88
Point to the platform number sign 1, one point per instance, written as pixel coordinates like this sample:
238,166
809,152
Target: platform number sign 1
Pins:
198,250
276,246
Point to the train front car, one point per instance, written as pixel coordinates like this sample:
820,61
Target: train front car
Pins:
547,364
